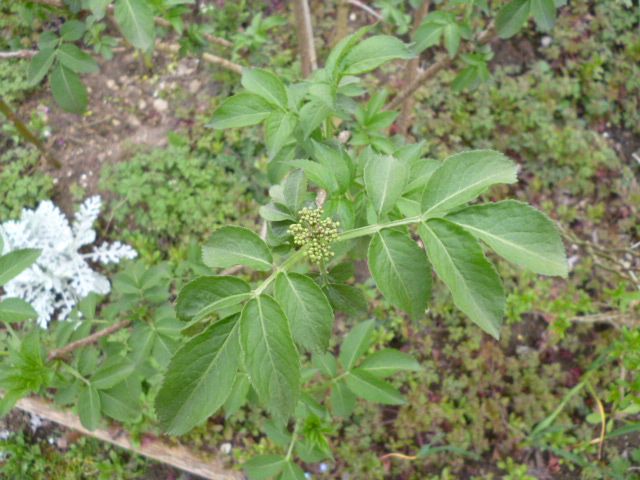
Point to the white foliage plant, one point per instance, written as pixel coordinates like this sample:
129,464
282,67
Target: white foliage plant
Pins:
62,275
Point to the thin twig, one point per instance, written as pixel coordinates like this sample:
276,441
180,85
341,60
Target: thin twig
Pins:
176,456
444,62
342,22
207,57
616,319
24,131
366,8
18,54
401,456
414,65
603,421
306,45
223,62
60,353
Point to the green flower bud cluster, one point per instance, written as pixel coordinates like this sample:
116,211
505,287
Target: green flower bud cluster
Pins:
316,233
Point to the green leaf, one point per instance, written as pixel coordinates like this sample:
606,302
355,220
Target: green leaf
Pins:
68,90
343,401
452,36
122,402
512,17
135,19
460,263
307,308
384,179
371,388
335,160
241,110
110,374
98,7
387,362
16,310
238,395
209,294
346,298
356,343
317,173
464,176
292,472
48,41
294,189
517,232
13,263
266,85
544,13
229,246
428,35
312,114
401,271
334,62
89,407
264,467
326,363
373,52
279,129
40,65
274,212
75,59
199,377
270,356
72,30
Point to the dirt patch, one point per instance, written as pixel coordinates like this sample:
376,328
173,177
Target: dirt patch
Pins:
128,105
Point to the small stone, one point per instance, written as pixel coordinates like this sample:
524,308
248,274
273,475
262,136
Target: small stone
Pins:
225,448
194,86
546,41
142,104
133,121
160,105
111,84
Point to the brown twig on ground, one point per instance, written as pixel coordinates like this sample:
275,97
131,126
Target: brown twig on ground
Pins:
207,57
60,353
342,22
401,456
443,62
615,319
24,131
176,456
366,8
603,421
306,45
18,54
414,65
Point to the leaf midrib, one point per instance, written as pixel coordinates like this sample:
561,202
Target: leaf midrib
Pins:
206,372
395,269
460,276
462,191
140,38
63,76
502,240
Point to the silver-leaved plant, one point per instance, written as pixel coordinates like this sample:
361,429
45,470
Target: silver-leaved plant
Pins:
62,275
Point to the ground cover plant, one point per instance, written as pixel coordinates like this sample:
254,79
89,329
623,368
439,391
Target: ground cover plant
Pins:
318,291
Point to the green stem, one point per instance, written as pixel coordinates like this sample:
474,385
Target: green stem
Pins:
283,267
24,131
294,439
75,373
371,229
348,235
